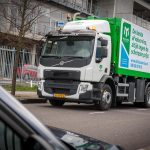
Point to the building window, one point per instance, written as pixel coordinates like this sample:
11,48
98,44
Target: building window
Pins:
141,11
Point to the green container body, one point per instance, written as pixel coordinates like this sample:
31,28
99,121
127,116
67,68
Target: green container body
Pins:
117,38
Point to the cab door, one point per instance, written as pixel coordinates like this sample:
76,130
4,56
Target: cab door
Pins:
101,65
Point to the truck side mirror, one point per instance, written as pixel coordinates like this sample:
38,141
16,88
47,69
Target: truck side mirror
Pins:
101,52
104,42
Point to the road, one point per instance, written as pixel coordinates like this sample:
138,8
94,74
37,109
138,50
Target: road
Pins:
127,125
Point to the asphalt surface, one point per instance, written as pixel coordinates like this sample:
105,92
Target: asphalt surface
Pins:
126,125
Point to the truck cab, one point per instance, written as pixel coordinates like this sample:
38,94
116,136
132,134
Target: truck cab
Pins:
74,61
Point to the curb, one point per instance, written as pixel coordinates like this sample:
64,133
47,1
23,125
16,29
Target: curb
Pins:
29,100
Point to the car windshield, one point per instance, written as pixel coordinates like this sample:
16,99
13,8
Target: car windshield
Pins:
71,46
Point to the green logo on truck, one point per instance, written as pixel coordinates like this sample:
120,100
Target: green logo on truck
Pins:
126,36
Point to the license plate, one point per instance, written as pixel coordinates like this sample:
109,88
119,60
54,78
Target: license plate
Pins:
59,95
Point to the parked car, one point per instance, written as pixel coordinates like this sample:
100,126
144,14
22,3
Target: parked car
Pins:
20,130
28,72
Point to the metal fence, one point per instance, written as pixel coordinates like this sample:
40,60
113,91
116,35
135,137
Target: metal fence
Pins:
27,67
135,19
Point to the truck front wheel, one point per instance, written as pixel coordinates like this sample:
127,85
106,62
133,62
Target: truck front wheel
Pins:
147,98
106,98
55,102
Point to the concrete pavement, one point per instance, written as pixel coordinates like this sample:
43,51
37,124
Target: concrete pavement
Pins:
29,97
127,125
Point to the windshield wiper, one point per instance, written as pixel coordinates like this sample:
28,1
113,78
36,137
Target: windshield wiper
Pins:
55,56
64,37
73,57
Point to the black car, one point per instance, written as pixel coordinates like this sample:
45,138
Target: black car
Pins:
20,130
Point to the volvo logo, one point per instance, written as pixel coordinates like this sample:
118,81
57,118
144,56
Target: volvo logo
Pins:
61,63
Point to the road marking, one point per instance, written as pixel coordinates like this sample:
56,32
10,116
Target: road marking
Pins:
135,111
99,112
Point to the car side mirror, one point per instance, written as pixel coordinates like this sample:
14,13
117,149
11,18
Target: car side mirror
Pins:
101,52
35,142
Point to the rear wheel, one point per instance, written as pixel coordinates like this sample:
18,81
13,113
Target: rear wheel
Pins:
106,98
147,98
55,102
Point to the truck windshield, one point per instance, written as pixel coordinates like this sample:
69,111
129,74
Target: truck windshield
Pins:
69,46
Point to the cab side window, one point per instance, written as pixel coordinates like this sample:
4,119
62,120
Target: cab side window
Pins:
8,138
98,43
98,46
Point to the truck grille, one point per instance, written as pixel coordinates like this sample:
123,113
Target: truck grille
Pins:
61,75
62,91
68,88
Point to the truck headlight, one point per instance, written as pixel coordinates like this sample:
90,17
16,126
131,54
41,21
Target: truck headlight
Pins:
83,88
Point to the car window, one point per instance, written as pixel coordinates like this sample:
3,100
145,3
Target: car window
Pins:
32,67
8,138
29,67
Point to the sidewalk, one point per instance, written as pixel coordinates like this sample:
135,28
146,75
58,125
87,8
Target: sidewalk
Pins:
29,97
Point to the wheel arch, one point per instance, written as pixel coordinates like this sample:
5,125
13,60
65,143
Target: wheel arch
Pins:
147,93
109,80
147,85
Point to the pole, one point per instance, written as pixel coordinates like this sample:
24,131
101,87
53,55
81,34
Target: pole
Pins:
91,6
114,13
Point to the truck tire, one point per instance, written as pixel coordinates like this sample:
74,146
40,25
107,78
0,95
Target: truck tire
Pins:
106,98
119,101
55,102
147,98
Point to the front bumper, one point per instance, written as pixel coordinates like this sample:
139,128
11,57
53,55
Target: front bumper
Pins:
39,93
76,91
86,96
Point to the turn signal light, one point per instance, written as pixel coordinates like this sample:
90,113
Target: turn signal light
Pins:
92,28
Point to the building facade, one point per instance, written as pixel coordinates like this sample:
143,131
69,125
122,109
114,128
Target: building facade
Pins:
55,11
136,11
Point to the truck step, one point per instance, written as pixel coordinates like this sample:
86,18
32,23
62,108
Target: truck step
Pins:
122,95
123,85
95,98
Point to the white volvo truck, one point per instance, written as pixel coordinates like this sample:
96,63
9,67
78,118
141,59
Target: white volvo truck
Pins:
96,61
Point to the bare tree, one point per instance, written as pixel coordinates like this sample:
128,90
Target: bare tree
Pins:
28,11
